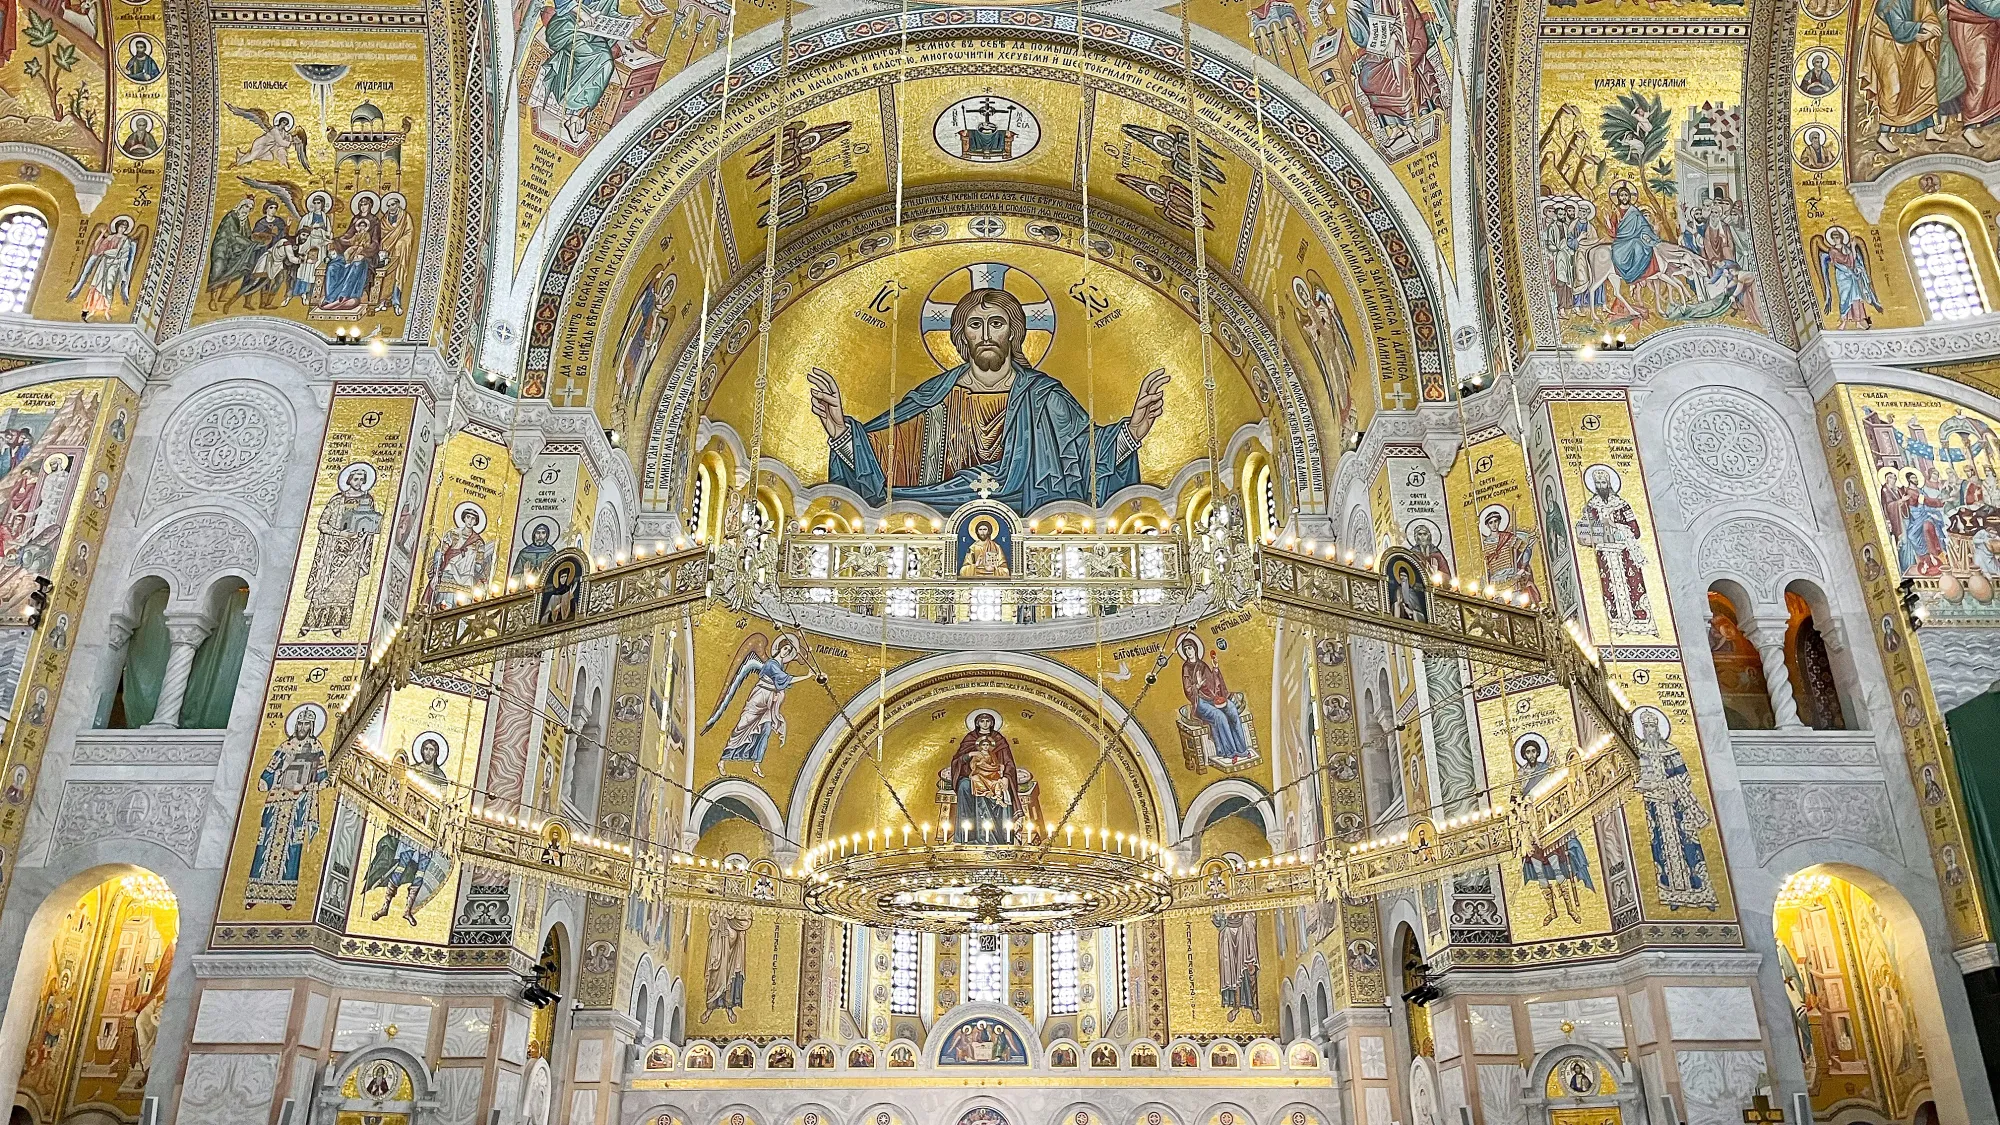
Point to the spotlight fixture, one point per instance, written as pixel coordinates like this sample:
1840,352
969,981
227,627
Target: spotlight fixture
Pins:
532,989
616,439
38,599
1354,441
1612,342
1423,992
1913,604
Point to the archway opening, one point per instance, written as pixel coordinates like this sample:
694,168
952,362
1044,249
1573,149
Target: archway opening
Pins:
549,975
1809,662
97,1010
1739,670
1858,1013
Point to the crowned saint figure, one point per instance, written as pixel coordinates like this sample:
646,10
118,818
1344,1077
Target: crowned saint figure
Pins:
991,420
1674,814
291,784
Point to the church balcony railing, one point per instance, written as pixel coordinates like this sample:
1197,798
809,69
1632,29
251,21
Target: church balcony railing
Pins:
1045,577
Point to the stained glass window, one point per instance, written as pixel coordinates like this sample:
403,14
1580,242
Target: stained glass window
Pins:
1944,270
24,234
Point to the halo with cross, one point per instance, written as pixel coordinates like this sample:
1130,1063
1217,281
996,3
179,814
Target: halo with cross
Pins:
945,295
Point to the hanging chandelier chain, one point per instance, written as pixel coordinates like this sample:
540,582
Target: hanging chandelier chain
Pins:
1197,181
774,222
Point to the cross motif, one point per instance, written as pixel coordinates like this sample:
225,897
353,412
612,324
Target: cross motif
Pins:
984,484
1762,1112
569,394
1400,398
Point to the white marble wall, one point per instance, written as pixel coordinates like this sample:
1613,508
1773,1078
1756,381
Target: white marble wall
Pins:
227,1089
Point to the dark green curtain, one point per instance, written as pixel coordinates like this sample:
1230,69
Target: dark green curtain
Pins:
212,682
138,692
1975,740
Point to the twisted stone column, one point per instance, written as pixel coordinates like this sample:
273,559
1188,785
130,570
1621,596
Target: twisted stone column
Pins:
1770,642
185,632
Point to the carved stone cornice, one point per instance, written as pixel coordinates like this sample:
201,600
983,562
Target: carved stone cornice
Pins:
353,975
66,340
313,354
264,337
1715,344
89,186
1624,972
1873,195
535,421
1949,342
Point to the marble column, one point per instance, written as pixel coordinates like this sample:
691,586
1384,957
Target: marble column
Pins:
186,630
1769,637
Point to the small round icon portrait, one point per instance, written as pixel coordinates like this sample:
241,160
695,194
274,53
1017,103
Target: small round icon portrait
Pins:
1818,148
139,135
987,130
1818,73
139,59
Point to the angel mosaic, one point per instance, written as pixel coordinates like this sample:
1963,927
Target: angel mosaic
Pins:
114,252
1840,261
767,663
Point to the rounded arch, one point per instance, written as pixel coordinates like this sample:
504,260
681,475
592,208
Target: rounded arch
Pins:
1923,963
1237,1115
663,1113
329,1101
859,714
640,171
1091,1114
965,1108
1626,1097
1210,799
737,1114
1003,1014
883,1113
747,795
91,866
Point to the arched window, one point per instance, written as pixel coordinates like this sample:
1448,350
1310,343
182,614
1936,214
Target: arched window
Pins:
1943,263
1811,668
135,697
986,968
217,665
1062,973
24,235
640,1013
1739,670
903,972
586,748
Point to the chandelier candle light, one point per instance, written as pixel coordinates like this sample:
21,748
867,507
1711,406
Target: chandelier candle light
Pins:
1004,877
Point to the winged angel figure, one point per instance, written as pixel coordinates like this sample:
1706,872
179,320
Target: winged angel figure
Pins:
279,138
763,710
1841,261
